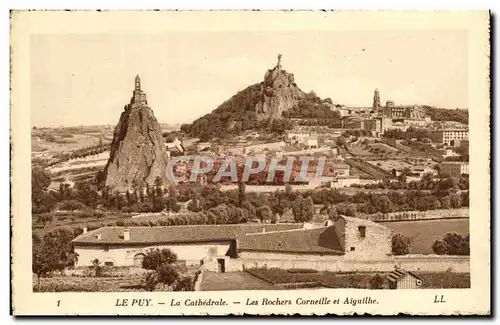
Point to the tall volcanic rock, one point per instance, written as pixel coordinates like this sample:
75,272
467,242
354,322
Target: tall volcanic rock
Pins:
278,93
138,154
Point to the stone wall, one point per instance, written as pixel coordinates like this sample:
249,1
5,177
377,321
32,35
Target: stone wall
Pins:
415,263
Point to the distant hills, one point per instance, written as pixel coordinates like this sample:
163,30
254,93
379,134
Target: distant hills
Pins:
444,114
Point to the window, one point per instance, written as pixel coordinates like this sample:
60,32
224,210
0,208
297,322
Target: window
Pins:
362,231
352,249
212,251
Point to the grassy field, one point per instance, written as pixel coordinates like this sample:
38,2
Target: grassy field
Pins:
424,233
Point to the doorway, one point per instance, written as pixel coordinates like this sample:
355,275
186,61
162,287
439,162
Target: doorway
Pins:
138,258
221,265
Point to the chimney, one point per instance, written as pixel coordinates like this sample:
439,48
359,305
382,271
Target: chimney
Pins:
99,236
126,234
84,229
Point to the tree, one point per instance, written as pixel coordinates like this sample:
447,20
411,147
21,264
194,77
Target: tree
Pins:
452,244
241,193
41,200
155,257
445,202
297,208
40,179
161,262
264,213
53,253
303,209
439,247
400,244
194,205
341,142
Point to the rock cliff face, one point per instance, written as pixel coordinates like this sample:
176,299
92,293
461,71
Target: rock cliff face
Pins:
278,93
138,154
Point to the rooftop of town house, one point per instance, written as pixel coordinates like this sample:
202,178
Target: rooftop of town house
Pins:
175,234
452,130
322,240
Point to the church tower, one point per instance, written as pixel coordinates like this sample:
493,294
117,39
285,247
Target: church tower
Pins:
139,97
137,82
376,100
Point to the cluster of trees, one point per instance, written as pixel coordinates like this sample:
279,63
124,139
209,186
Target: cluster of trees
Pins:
427,182
213,206
356,133
452,244
311,106
162,270
303,209
85,196
443,114
410,133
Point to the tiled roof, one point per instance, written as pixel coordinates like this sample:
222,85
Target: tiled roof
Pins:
364,222
175,234
400,273
323,240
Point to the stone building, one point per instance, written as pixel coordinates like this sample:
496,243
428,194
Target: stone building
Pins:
454,168
449,136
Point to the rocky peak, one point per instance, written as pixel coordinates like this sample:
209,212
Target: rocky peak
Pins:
278,92
138,154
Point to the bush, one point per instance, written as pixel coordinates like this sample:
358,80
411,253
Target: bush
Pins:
120,223
400,244
302,271
184,284
376,282
452,244
71,205
87,213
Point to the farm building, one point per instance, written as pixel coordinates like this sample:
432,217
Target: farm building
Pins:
228,246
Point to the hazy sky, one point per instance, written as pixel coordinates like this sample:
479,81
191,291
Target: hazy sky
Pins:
87,79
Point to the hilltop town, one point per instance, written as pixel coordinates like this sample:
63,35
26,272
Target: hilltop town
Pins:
396,197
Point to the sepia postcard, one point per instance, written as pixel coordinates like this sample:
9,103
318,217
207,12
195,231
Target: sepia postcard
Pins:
250,162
